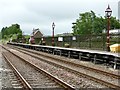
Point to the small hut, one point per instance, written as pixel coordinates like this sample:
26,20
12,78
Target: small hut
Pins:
36,36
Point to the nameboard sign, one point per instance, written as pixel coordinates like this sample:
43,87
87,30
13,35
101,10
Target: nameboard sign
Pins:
73,38
60,38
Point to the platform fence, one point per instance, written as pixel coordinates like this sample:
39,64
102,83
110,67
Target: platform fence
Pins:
97,42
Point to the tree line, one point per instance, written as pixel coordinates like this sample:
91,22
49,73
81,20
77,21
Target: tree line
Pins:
89,23
13,30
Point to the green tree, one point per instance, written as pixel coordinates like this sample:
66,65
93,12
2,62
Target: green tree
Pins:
9,31
89,23
19,35
84,25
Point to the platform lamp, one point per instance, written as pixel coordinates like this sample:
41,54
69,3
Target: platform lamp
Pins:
108,13
53,27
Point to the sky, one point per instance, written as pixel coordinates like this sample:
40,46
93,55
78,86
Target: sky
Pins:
41,14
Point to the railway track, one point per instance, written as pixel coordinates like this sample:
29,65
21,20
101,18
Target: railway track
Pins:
65,61
19,76
117,76
26,70
9,78
108,84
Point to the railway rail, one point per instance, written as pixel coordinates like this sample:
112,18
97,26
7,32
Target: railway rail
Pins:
26,79
9,78
117,76
20,77
108,58
108,84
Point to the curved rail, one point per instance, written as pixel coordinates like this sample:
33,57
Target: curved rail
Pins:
60,82
84,75
76,64
24,82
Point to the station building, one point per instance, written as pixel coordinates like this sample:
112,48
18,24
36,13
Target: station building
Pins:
36,35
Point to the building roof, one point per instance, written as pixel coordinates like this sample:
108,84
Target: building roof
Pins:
65,34
114,31
36,33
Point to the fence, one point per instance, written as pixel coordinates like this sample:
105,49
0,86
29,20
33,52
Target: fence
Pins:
97,42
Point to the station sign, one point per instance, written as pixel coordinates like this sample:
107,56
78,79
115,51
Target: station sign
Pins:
73,38
60,38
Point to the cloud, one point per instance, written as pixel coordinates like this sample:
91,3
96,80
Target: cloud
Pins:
41,13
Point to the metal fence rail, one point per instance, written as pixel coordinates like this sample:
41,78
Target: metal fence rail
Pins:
97,42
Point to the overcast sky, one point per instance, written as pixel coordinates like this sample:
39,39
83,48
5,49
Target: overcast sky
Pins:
41,14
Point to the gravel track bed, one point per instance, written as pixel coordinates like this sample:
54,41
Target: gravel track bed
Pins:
88,72
88,64
70,78
9,79
85,63
34,78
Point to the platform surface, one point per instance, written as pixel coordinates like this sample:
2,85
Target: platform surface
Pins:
74,49
85,50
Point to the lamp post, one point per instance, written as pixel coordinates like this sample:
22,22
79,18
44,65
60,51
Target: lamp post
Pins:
108,13
53,27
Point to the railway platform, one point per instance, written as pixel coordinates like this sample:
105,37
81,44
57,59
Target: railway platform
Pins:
43,58
91,55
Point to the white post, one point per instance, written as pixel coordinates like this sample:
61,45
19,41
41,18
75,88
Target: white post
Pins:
80,56
95,58
115,63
